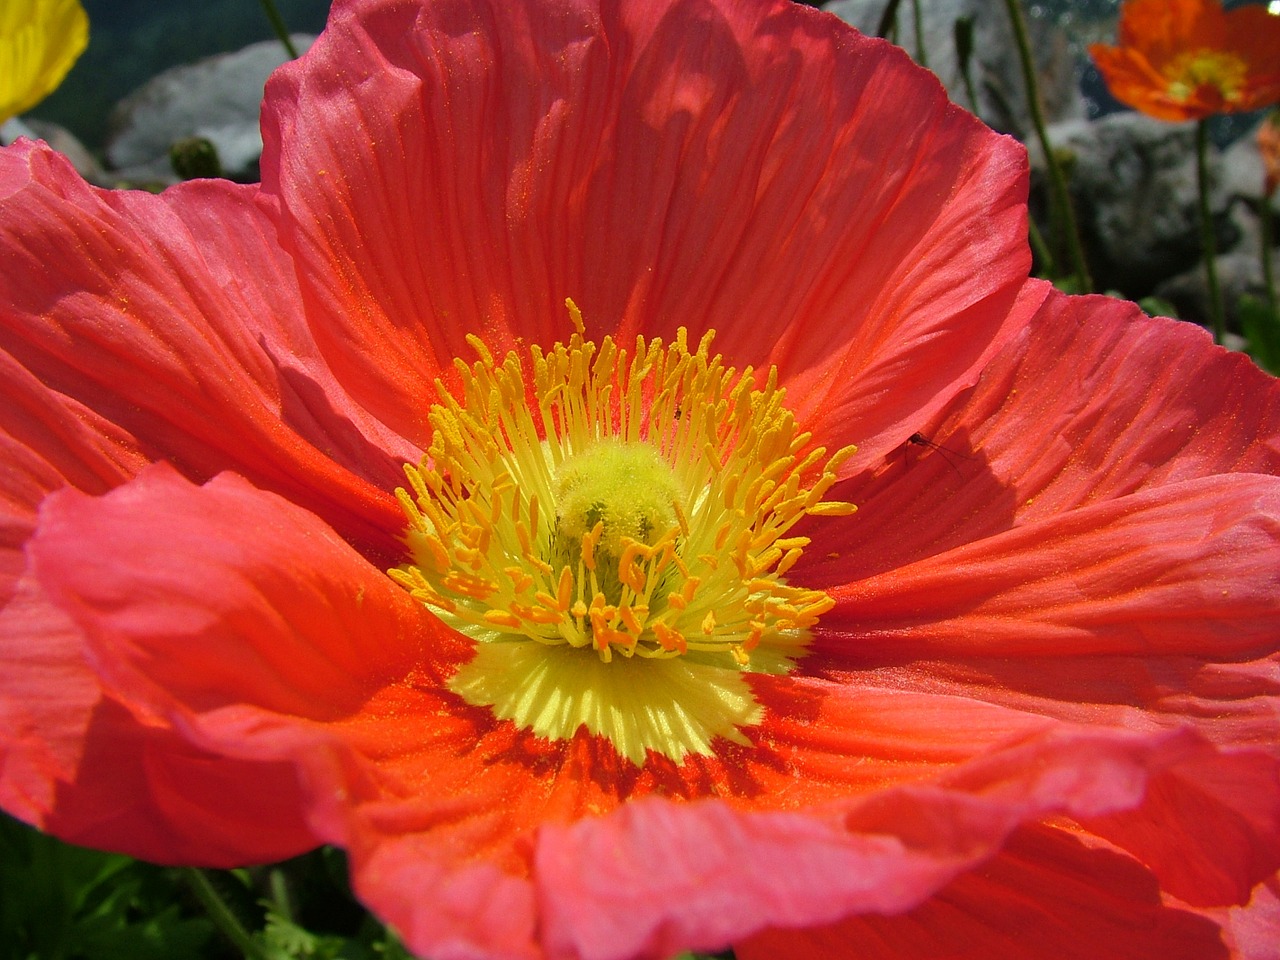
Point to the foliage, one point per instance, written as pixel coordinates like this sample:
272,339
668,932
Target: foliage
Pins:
63,902
1261,325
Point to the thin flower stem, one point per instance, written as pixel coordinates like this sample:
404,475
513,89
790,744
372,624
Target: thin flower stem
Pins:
277,24
1041,249
1207,240
922,57
222,916
1057,181
962,34
888,19
1268,241
280,893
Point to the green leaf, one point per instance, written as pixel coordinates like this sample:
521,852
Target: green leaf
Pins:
1261,325
63,902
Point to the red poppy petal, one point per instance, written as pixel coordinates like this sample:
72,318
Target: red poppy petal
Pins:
47,692
831,739
246,624
1253,34
1253,931
183,327
286,614
47,696
1135,82
1047,894
1165,28
56,729
194,599
1092,401
1233,806
454,911
1188,568
659,877
76,764
466,166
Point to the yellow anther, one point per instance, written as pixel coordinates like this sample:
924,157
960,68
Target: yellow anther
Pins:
668,638
502,618
589,542
520,579
645,476
564,590
832,508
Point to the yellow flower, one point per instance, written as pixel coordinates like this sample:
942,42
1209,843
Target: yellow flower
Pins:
39,41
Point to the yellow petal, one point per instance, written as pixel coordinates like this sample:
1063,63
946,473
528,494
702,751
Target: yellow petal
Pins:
39,41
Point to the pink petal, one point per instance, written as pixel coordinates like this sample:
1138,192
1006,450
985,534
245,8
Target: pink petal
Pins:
243,623
1253,931
1046,894
178,320
755,168
1186,568
1091,402
158,562
659,877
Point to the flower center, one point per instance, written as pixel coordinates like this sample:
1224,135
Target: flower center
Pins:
1223,73
631,505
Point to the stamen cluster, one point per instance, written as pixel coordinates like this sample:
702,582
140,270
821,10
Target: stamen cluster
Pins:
488,513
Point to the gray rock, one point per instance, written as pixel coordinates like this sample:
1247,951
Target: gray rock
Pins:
218,98
13,128
66,143
60,138
1133,183
995,69
1242,170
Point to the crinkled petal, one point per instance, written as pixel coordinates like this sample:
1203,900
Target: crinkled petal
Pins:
243,623
1186,568
1092,401
234,560
178,320
47,693
759,169
1046,894
660,877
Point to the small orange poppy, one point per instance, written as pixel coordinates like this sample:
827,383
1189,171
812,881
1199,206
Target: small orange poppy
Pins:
1190,59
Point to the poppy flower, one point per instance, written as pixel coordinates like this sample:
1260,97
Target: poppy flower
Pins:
477,493
1190,59
39,42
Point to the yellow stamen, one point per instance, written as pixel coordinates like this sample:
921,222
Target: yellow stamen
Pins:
597,517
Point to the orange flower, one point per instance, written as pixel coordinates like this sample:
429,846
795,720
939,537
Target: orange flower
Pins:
1269,147
1189,59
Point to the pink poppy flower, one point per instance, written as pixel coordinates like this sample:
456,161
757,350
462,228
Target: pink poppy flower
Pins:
616,672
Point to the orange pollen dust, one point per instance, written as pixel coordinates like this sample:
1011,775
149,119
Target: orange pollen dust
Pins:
634,503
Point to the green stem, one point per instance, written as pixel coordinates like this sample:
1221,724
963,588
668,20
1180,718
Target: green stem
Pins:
1057,181
1207,240
1041,249
962,34
277,24
222,916
888,19
922,57
280,893
1268,241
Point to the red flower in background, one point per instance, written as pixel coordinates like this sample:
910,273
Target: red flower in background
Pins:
1190,59
1023,703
